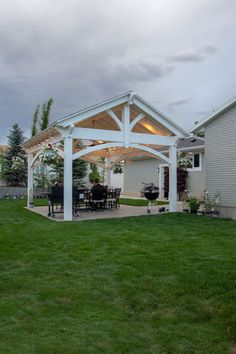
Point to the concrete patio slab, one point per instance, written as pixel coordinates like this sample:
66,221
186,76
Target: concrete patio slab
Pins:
122,212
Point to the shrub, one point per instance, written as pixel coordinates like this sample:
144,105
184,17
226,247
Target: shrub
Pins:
193,204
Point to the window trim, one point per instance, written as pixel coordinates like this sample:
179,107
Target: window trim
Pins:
192,169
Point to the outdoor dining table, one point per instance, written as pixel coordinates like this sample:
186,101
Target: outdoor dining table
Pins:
82,200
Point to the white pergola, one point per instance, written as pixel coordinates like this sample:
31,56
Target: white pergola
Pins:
118,129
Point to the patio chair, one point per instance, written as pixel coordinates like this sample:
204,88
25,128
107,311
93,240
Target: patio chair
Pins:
111,198
118,192
98,200
82,198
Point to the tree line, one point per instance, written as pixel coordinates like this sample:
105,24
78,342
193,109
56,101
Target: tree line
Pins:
13,160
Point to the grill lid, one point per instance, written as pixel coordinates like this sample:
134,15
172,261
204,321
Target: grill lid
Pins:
151,192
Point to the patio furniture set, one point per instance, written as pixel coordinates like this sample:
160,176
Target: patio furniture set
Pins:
83,199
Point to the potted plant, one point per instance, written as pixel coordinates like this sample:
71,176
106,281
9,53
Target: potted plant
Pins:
193,205
49,155
211,203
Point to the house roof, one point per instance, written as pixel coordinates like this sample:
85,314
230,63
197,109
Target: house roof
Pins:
3,148
188,144
216,113
192,142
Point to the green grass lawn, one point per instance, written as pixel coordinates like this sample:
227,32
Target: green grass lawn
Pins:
140,202
153,284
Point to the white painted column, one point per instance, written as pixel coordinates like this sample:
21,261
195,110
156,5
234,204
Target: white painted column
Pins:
126,126
161,169
108,172
30,183
108,177
173,179
68,178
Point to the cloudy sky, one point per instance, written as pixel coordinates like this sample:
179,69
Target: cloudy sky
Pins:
180,55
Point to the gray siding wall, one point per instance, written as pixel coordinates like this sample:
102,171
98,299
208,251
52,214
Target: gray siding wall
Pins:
137,172
196,180
220,157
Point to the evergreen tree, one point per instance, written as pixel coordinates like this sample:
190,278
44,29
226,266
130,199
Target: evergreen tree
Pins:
14,171
1,164
42,178
79,171
57,171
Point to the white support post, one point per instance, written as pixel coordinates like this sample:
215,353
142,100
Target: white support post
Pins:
68,178
173,179
108,172
126,125
30,183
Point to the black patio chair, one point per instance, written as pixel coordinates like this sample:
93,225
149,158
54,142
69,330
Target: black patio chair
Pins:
98,200
118,192
111,198
83,198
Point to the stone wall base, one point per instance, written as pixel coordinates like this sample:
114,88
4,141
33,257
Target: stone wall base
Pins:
18,192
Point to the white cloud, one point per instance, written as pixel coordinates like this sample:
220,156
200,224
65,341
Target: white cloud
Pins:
194,55
178,102
83,51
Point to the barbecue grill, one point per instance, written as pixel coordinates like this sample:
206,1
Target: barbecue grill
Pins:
151,193
55,200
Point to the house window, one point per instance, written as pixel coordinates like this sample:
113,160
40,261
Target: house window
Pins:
196,162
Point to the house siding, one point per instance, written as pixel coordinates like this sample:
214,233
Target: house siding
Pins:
196,180
220,159
137,172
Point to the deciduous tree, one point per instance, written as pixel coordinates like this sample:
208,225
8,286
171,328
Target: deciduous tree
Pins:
44,118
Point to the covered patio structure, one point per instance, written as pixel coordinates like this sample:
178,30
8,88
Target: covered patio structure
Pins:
117,129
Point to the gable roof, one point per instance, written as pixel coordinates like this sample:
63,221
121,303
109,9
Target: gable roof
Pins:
128,98
216,113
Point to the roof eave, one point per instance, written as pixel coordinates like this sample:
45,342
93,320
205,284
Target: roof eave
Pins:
36,137
183,132
205,121
125,96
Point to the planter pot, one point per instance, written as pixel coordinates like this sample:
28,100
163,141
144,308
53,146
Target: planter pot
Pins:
186,210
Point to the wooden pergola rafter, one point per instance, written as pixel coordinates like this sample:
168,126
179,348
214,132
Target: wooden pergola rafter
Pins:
118,129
